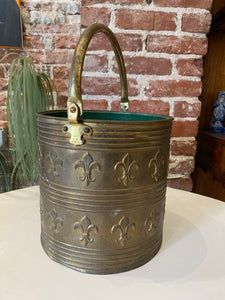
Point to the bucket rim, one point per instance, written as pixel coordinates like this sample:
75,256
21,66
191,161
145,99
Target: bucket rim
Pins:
113,116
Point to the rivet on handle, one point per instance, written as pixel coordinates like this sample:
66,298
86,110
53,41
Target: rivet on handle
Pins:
74,103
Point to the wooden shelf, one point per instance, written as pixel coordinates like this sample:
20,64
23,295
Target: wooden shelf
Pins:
213,79
209,175
211,154
210,165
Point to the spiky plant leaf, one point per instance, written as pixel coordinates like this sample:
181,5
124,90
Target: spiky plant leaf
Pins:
29,92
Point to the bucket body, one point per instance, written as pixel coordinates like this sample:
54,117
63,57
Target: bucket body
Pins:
102,203
102,178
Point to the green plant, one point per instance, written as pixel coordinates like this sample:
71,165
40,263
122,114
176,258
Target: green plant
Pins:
29,92
4,174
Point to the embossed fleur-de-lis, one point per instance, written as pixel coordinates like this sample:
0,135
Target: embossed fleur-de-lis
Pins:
157,165
87,166
55,164
127,168
55,222
86,228
124,228
152,221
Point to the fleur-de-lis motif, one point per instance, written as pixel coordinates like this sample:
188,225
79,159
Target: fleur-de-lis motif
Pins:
55,222
55,164
87,165
152,222
124,228
158,166
127,167
85,228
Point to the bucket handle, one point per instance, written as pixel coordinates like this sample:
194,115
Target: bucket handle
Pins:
74,102
77,66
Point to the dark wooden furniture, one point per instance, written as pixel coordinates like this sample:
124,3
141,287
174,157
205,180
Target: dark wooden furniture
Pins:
209,176
210,165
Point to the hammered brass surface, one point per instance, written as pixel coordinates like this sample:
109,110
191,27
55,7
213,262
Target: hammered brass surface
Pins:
102,203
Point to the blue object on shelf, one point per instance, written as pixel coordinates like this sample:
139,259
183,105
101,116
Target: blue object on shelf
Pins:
218,116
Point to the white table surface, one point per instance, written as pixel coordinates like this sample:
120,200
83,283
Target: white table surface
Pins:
190,264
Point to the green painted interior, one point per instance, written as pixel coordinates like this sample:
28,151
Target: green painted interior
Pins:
110,116
119,116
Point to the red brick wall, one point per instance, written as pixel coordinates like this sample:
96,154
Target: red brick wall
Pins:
163,42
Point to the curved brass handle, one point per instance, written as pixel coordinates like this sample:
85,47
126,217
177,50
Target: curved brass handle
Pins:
74,103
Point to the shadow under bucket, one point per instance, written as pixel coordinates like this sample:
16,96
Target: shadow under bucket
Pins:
103,179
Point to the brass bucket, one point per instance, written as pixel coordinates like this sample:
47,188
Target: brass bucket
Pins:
103,178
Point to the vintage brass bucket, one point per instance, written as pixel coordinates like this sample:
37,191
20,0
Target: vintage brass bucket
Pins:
103,179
